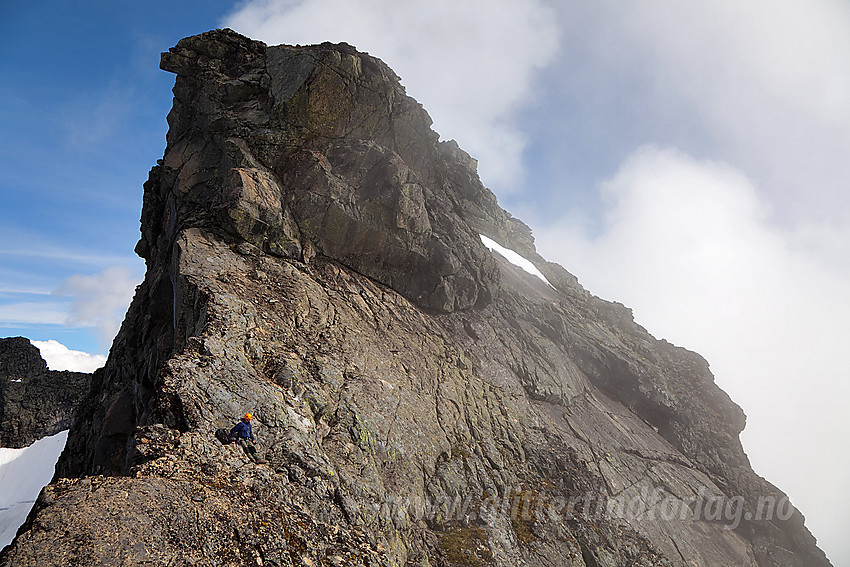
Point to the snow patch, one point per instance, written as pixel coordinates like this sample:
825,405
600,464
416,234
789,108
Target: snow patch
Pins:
515,259
23,473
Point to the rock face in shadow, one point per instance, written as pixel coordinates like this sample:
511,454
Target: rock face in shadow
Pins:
313,256
34,402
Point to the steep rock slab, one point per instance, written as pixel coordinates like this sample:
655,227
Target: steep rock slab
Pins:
313,256
34,402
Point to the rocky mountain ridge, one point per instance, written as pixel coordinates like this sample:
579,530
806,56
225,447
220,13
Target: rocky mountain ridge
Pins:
34,402
313,256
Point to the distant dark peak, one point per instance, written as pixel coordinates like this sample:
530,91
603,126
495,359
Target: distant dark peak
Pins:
34,402
19,359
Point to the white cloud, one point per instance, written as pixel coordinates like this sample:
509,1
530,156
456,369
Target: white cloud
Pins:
100,300
688,245
469,63
767,81
60,357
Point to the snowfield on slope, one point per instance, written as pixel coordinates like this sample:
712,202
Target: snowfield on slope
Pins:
23,473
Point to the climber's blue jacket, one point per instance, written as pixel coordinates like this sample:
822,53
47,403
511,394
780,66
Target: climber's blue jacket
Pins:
242,430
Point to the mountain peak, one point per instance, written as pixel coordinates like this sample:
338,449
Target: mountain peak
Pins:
319,147
314,257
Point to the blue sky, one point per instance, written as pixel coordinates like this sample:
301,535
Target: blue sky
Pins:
688,160
84,120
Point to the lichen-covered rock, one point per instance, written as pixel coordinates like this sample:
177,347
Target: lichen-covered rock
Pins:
34,402
313,257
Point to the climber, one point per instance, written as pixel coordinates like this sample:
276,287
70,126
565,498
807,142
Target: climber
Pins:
242,434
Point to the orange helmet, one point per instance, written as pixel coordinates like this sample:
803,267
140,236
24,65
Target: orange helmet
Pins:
248,416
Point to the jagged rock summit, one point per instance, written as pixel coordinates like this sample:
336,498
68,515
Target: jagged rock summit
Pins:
313,256
34,402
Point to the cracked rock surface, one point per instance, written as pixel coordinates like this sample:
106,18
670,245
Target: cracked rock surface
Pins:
313,256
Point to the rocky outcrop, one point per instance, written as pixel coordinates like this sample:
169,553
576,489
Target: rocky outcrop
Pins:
366,182
34,402
313,256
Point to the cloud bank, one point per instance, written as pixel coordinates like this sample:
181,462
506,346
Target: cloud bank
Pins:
762,84
60,357
469,63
